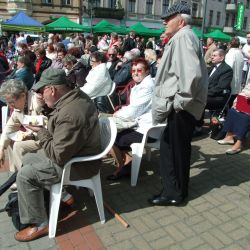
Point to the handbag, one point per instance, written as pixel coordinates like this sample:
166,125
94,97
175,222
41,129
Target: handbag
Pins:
123,123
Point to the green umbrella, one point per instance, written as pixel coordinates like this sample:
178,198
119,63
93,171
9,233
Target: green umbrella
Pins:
218,35
64,24
107,27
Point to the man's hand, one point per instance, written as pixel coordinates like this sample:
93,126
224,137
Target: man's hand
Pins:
2,157
33,128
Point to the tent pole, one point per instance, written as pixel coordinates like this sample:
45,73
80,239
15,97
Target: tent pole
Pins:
203,25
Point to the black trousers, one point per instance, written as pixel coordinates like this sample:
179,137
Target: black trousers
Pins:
175,153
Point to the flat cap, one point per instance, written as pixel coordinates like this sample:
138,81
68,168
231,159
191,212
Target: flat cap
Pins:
177,8
51,77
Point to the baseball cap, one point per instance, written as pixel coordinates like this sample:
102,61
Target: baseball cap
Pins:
51,77
177,8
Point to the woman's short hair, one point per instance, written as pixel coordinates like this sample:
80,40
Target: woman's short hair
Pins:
41,51
150,54
142,61
75,51
69,59
13,87
235,42
99,56
25,60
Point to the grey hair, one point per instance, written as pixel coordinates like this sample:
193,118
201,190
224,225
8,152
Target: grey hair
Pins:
69,59
129,55
221,52
187,18
150,55
13,87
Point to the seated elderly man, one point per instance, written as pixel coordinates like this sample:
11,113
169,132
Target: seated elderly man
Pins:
71,132
219,85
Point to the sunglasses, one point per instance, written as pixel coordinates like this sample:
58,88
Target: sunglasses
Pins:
111,54
139,71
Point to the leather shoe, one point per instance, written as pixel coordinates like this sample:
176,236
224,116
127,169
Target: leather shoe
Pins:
124,172
31,233
164,201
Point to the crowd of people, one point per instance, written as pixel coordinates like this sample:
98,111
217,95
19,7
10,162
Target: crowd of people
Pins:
68,81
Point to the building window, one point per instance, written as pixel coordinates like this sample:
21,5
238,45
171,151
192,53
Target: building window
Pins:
149,7
233,21
245,23
66,2
47,1
165,5
227,20
218,18
97,3
131,6
248,4
210,21
111,4
194,9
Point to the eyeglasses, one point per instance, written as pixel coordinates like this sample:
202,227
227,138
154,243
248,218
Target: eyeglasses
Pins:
111,54
41,91
138,71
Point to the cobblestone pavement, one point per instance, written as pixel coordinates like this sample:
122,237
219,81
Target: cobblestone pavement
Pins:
217,215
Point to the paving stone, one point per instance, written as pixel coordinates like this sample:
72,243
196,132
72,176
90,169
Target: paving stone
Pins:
211,240
192,243
154,234
140,243
162,243
239,233
221,236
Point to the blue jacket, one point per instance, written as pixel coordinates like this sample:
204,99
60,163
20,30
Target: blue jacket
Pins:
24,74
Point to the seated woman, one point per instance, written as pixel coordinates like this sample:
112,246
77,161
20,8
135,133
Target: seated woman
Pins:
237,124
23,102
24,71
139,111
98,81
76,72
42,62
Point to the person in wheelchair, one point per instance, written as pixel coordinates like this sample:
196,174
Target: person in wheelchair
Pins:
219,86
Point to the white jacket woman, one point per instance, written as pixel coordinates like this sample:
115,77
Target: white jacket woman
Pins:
234,58
98,81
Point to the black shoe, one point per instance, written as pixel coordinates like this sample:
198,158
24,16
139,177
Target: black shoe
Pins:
164,201
124,172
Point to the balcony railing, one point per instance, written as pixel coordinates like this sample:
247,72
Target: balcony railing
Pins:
107,13
228,30
232,7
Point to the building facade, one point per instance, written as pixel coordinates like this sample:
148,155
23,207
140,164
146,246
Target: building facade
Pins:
219,13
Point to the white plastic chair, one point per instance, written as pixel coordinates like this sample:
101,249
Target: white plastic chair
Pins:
110,93
138,148
4,116
108,133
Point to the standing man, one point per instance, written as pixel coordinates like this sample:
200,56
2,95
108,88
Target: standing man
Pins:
179,99
211,46
73,130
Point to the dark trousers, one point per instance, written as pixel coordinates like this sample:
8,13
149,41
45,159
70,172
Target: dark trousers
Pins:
175,153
